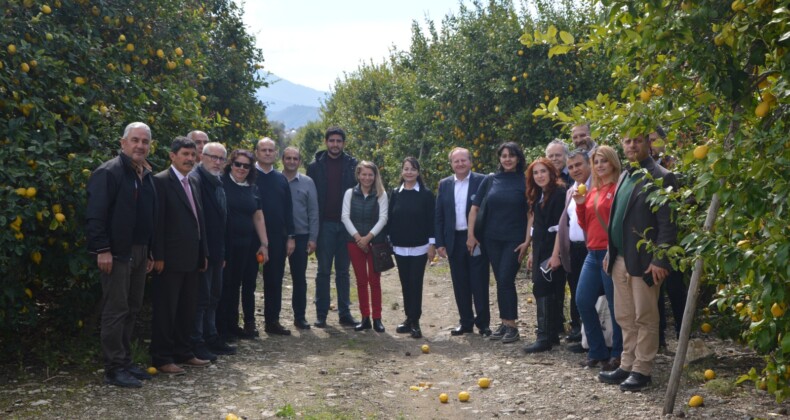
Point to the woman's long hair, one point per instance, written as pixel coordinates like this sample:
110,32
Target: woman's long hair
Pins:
533,190
377,182
610,155
416,165
514,149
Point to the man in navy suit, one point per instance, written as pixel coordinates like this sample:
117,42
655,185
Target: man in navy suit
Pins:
180,252
469,273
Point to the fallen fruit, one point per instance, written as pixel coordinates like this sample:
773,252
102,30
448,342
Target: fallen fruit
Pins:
483,382
695,401
706,328
710,374
231,416
152,370
425,348
463,396
443,398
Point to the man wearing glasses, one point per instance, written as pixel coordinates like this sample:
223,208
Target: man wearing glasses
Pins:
207,343
201,139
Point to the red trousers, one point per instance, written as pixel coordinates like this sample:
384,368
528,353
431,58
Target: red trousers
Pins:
366,277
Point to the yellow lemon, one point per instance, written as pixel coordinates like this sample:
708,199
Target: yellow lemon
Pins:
35,256
130,47
122,38
24,67
29,293
768,97
701,151
777,311
645,95
739,306
582,189
738,5
79,80
695,401
231,416
706,328
60,217
11,49
762,109
483,382
425,348
160,53
152,370
30,192
710,374
46,9
129,19
21,191
79,324
463,396
57,208
202,98
187,62
513,79
443,398
179,52
529,300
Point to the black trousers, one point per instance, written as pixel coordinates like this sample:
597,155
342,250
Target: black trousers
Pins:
174,300
411,271
298,264
273,272
676,290
470,277
240,268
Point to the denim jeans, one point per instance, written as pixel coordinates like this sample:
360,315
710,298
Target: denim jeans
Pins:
331,247
505,265
591,280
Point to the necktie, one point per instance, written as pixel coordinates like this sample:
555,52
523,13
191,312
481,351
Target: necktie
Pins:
185,184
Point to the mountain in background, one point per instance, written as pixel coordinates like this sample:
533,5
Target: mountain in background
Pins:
292,104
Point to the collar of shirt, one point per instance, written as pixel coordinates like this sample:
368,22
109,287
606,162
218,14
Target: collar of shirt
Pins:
403,186
178,174
258,167
466,178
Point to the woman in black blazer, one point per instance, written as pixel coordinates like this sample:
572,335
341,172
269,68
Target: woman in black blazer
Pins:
546,195
411,215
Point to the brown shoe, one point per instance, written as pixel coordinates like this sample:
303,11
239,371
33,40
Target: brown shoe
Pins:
195,362
171,369
611,364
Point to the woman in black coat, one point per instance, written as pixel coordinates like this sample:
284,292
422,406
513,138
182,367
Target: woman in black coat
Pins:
546,196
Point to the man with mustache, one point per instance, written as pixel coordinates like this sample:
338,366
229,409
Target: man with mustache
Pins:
180,254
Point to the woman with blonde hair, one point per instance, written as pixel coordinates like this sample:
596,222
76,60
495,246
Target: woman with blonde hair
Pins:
364,214
592,210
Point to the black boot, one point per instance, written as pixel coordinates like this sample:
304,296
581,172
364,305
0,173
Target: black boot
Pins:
377,325
542,343
416,332
364,324
556,318
404,327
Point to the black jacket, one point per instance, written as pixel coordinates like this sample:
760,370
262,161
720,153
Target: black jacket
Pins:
214,212
317,171
112,206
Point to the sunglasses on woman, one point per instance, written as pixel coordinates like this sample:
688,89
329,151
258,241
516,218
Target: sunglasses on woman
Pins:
242,165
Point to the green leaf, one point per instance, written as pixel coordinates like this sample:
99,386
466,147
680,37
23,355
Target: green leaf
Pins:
553,104
552,32
526,39
566,37
559,50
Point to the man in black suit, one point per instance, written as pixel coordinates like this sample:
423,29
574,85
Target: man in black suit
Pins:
469,273
180,252
120,224
637,273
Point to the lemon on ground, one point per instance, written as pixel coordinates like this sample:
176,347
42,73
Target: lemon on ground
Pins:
231,416
425,348
152,370
483,382
710,374
706,328
463,396
695,401
443,398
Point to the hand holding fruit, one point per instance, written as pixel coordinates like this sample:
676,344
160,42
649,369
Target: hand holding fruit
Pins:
579,195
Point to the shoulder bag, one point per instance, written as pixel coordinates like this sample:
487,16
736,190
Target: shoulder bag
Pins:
481,212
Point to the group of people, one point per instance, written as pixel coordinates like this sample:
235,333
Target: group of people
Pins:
205,224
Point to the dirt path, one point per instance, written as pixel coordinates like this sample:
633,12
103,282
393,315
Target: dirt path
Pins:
338,373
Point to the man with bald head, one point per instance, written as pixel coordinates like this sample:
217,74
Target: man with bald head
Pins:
277,206
201,139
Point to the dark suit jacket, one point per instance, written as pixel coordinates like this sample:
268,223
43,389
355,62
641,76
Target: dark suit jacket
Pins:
640,219
177,240
445,208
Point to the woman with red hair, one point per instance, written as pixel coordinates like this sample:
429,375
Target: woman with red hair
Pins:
546,197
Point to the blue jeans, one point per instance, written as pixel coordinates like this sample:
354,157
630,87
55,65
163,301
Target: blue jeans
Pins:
591,280
505,265
331,247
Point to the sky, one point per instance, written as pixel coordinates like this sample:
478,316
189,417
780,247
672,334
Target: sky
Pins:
313,42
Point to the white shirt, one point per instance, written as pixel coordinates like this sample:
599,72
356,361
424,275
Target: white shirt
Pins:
575,232
413,251
461,195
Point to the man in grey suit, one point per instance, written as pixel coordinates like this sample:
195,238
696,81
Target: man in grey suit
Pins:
469,272
180,252
637,273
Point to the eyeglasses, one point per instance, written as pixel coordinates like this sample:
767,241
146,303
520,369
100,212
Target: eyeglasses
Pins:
242,165
214,157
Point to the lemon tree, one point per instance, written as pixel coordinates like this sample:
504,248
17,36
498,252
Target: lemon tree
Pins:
72,75
717,75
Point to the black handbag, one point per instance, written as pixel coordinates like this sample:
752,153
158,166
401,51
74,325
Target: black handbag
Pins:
481,212
382,256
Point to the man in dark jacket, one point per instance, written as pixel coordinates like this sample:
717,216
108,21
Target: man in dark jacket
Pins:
333,173
120,224
205,340
636,272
